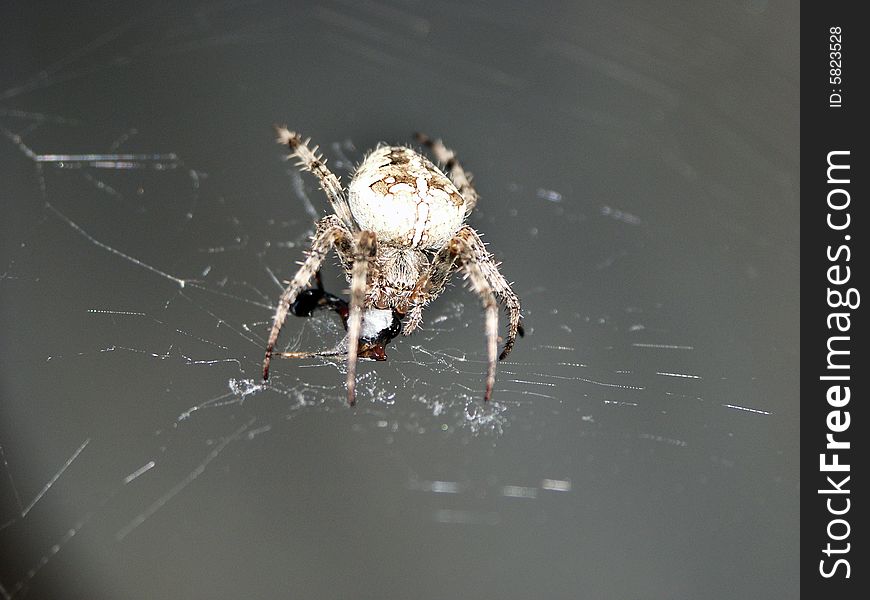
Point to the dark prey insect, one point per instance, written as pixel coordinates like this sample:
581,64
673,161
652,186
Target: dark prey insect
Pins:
399,233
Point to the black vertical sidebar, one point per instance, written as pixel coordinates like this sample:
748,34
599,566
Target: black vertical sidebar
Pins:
835,222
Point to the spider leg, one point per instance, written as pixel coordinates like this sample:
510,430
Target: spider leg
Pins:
330,232
459,176
430,285
413,319
498,284
467,251
312,161
366,247
468,261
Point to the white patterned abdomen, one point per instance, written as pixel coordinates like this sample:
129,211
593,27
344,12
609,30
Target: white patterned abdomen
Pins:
405,199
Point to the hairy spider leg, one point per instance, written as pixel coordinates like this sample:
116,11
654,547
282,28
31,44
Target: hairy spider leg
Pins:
312,161
364,253
330,233
462,179
467,252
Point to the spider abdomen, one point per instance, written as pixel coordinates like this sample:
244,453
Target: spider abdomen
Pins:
405,199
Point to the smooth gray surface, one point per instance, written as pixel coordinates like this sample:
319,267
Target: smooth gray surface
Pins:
637,164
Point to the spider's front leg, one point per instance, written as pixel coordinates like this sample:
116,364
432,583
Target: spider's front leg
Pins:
467,260
487,282
363,255
330,232
500,286
312,161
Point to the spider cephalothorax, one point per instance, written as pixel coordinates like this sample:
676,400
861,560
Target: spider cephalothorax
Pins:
399,232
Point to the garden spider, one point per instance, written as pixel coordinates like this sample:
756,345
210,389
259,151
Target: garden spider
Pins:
399,233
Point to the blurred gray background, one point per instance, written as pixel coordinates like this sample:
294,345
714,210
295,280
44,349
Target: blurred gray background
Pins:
637,164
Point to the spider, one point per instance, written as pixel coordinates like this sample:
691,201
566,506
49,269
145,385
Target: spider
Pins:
399,233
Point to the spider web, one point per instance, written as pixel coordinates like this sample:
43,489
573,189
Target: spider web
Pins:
139,279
